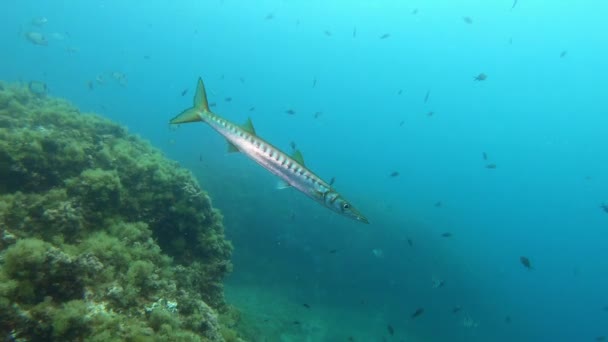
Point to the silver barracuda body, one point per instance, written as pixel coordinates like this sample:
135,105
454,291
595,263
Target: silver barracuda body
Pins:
290,169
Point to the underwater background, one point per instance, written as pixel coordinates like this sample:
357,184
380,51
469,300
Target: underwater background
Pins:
471,134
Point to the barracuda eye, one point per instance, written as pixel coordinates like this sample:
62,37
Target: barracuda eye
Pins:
345,206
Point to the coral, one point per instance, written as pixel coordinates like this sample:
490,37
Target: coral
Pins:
101,237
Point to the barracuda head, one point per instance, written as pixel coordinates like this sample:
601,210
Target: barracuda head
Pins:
337,203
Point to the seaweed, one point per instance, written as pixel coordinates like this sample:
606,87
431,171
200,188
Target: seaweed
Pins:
102,238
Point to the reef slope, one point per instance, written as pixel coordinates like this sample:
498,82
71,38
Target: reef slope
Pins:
101,237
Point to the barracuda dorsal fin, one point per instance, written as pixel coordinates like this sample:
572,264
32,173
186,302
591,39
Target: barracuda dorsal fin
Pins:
297,156
200,98
232,148
248,127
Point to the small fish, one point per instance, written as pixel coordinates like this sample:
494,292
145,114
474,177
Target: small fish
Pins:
514,4
251,109
394,174
306,306
200,158
467,20
426,97
600,338
378,253
100,79
314,82
36,38
490,166
484,155
400,92
327,33
417,313
384,36
480,77
438,283
401,123
72,50
228,99
431,113
242,79
355,32
351,339
91,85
390,329
292,145
526,262
39,21
333,251
410,242
146,57
38,88
212,104
290,112
604,207
438,204
563,54
414,11
269,16
184,92
507,319
332,181
446,235
120,77
456,309
296,322
318,114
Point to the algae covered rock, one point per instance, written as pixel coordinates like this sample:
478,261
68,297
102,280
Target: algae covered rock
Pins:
101,237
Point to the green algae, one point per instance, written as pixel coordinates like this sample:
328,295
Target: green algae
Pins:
101,237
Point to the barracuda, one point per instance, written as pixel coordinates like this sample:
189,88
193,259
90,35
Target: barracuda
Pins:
290,169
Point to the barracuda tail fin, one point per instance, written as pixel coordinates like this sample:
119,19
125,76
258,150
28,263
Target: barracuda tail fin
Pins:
200,106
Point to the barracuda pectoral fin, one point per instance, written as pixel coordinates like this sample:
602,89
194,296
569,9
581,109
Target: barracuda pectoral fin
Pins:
248,127
281,184
297,156
232,148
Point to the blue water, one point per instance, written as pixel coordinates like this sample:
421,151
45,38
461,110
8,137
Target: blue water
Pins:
540,117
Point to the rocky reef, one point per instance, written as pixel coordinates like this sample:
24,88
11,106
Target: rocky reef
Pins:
101,237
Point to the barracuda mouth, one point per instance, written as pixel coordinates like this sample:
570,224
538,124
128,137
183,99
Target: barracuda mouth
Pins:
362,219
